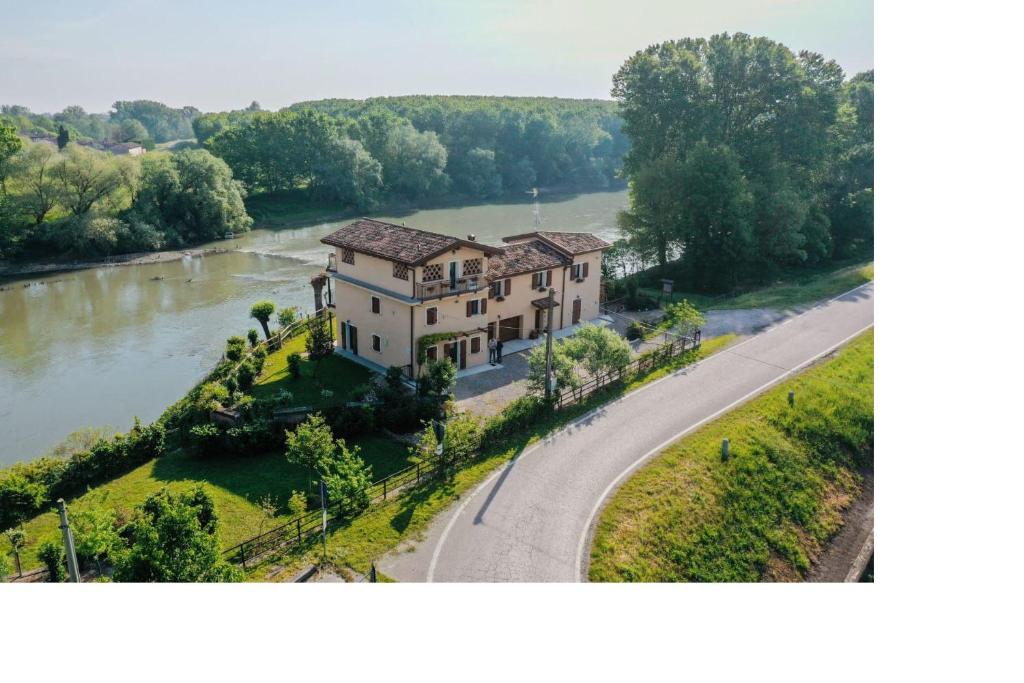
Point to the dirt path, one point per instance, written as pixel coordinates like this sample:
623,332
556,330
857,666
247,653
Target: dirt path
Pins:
842,551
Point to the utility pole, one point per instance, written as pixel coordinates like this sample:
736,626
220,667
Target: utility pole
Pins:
547,362
69,543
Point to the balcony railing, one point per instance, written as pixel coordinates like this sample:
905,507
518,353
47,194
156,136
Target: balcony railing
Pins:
442,288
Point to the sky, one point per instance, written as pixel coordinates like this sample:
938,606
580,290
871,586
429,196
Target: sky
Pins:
223,54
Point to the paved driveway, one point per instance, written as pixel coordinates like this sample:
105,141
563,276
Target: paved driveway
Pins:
531,520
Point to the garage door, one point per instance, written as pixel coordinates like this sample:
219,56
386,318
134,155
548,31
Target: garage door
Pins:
510,328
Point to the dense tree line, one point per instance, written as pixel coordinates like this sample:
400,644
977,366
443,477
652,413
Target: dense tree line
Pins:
419,148
82,202
745,158
141,121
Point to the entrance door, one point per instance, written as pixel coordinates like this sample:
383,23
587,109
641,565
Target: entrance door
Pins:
462,354
577,310
510,328
353,340
540,319
452,351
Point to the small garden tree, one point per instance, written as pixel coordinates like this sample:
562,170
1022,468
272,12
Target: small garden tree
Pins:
253,336
96,536
563,367
173,538
311,443
683,317
16,537
261,311
287,316
347,479
599,350
440,378
319,343
235,348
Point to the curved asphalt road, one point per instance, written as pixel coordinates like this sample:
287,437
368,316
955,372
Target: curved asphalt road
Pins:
531,520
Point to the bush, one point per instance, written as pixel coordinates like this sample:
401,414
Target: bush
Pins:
206,438
635,331
295,365
6,567
51,554
257,436
283,398
517,416
348,422
297,503
247,374
235,348
211,396
287,316
253,336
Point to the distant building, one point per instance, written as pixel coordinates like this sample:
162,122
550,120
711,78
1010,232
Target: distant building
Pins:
395,286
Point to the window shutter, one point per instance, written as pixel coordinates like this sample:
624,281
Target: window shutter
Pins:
490,290
469,308
483,305
547,283
431,316
432,353
533,281
508,286
586,269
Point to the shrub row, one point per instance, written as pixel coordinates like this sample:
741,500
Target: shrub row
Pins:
28,488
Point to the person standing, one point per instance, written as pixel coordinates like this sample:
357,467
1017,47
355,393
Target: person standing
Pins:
498,347
492,350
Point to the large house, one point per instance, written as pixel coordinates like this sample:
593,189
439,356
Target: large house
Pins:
401,295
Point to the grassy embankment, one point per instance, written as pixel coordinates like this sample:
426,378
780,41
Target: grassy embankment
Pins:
798,289
380,530
767,511
237,484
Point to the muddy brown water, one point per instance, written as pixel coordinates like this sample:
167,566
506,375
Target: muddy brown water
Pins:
100,346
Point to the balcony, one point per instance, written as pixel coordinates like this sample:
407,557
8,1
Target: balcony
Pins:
439,289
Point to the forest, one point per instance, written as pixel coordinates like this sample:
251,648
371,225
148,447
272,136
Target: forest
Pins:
420,148
746,159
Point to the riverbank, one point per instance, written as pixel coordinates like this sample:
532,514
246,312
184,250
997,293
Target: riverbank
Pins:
13,271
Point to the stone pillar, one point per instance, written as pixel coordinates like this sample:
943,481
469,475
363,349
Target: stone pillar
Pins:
318,283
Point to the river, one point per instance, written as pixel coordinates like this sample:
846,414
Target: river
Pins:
98,347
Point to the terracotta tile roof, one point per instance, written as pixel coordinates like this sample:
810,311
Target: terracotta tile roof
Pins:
524,257
569,242
397,242
544,303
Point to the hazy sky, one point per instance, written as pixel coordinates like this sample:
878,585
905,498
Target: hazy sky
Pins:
223,54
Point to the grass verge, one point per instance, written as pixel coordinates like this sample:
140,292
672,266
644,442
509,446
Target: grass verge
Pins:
797,290
767,511
357,543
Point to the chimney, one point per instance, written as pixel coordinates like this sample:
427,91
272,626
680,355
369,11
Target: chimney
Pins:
472,237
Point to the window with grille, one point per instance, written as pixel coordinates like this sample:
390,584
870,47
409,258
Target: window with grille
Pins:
432,272
348,256
400,270
473,266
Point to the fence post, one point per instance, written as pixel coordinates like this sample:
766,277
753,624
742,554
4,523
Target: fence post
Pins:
241,551
298,530
417,473
385,489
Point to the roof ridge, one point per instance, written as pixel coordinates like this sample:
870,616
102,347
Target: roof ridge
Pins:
408,227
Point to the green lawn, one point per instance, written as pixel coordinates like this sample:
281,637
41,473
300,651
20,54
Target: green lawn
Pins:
236,485
383,528
792,291
338,374
767,512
